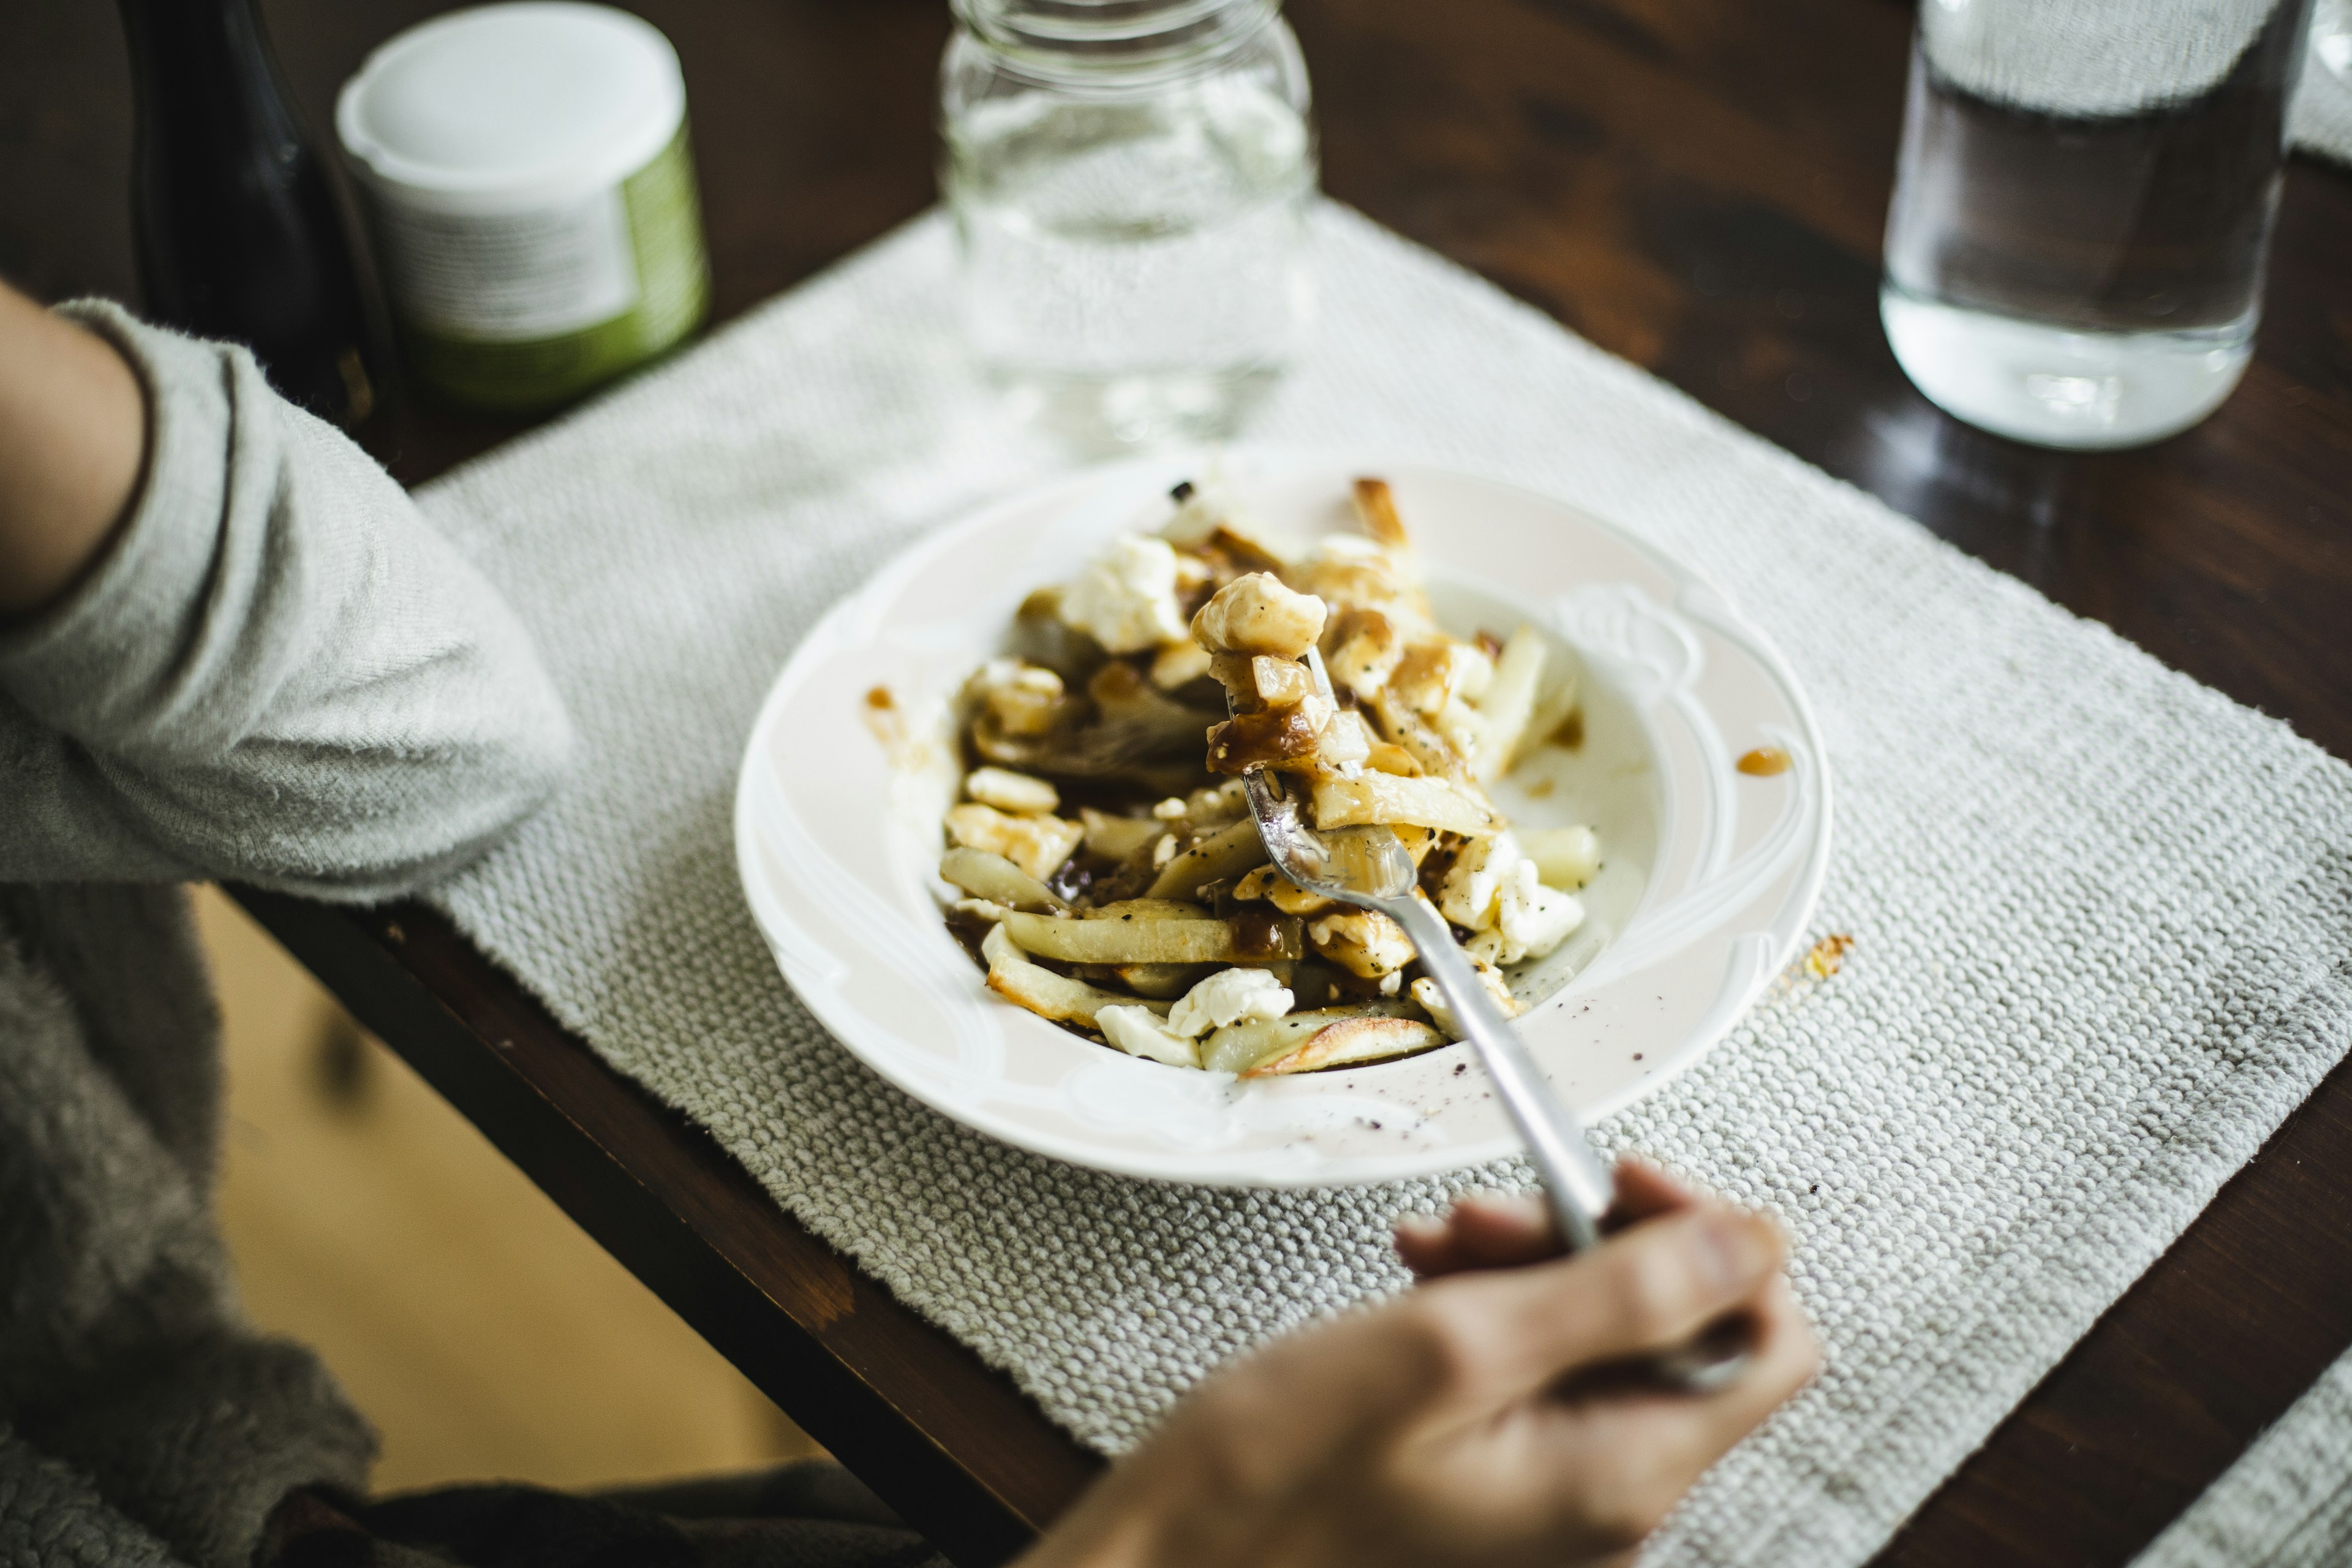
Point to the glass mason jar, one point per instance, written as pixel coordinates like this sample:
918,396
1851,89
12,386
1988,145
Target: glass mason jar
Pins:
2083,210
1130,180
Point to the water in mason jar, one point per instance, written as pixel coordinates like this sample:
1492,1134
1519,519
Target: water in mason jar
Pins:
2086,280
1135,271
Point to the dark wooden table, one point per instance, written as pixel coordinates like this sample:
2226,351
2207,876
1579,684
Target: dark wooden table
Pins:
1696,184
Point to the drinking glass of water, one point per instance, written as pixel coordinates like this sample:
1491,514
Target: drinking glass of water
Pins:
1130,180
2083,210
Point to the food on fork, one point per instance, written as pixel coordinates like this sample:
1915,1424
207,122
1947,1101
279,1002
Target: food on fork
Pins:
1112,877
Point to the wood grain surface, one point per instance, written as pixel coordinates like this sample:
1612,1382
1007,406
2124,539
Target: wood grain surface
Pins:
1698,185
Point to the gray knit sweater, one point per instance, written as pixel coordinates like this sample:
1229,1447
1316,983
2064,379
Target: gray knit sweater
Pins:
276,674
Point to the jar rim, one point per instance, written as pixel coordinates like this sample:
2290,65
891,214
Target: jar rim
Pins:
1091,40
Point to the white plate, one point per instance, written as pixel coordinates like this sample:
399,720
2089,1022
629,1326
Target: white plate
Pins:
1711,873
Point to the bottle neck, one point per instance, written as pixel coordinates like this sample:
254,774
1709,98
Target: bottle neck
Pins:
210,59
1113,40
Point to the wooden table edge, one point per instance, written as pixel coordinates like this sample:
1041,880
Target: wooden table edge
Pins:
950,1443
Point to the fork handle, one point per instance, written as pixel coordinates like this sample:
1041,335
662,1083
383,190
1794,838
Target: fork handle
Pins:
1576,1186
1577,1183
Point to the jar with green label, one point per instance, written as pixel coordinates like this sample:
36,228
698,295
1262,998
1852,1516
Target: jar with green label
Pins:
525,174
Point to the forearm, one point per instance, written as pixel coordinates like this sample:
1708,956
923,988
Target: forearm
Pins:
271,669
73,435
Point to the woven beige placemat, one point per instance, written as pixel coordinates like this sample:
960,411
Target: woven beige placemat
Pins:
2099,912
2286,1503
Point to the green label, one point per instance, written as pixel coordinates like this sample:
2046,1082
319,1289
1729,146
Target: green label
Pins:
664,221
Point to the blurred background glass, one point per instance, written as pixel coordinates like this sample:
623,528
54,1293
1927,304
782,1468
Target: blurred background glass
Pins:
2083,210
2331,36
1130,180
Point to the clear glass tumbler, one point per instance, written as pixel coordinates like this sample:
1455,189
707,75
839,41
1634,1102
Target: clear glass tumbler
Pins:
2083,210
1130,180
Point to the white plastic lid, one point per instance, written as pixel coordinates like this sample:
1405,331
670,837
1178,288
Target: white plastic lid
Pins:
512,106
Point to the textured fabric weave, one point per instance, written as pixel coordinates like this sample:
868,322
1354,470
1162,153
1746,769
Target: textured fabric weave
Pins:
2099,912
2287,1503
2121,57
2319,121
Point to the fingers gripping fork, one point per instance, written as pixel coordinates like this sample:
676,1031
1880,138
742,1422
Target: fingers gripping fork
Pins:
1368,866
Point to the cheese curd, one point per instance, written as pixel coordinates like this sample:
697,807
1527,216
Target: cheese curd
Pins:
1139,1033
1496,892
1126,597
1226,997
1531,919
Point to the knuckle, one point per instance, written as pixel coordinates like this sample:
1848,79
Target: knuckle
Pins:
1648,1291
1450,1338
1621,1514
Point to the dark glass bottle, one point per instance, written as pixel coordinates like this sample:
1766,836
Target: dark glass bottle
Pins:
237,233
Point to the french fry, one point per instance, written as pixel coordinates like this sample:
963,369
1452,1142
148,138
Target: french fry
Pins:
1179,663
1417,841
1371,580
1271,885
1258,883
1352,1040
1237,1047
1008,791
1362,650
1243,940
1509,702
1117,837
1280,682
1554,703
1419,737
1364,943
1565,857
1345,739
1378,797
1147,909
1376,509
1049,995
1038,845
1223,855
1162,982
1248,552
1433,1002
999,880
1438,670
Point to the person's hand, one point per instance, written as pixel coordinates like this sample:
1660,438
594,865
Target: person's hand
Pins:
1462,1422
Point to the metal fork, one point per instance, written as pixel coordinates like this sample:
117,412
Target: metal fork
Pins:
1369,868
